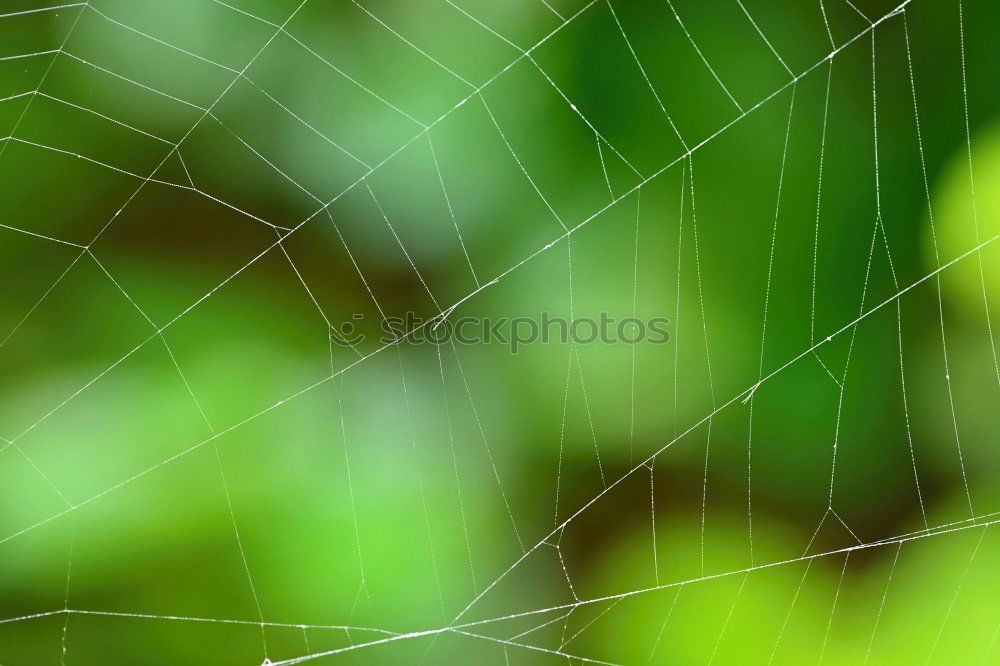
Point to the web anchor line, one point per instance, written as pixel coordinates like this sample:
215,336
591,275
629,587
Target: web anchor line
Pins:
745,572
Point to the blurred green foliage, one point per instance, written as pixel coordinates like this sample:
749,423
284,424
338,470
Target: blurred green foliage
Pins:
167,363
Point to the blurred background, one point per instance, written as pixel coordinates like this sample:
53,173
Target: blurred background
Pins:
198,195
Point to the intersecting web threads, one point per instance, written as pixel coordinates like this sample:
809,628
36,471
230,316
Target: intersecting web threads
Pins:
211,453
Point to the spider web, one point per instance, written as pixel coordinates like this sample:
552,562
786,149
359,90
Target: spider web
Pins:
198,465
